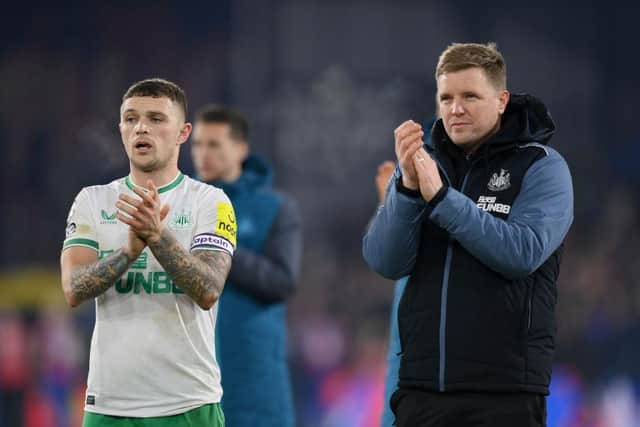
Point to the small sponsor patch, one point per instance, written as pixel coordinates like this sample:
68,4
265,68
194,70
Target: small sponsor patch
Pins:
91,399
71,229
226,222
211,241
108,218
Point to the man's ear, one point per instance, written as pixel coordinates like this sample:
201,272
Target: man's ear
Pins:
503,100
243,150
184,133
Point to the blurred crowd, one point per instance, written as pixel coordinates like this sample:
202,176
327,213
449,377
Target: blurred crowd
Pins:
325,131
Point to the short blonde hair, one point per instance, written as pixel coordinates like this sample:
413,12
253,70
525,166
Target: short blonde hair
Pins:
461,56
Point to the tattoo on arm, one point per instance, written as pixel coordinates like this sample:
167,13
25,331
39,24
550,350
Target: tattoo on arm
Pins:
93,280
200,275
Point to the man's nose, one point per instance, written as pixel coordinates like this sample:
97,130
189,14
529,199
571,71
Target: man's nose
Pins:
456,108
141,127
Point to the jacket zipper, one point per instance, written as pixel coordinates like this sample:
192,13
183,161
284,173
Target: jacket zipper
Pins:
445,288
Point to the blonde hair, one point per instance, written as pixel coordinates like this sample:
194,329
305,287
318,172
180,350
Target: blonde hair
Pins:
461,56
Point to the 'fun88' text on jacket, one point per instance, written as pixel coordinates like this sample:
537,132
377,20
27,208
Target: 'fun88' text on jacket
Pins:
478,311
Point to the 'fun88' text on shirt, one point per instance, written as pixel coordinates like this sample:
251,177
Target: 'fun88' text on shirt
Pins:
153,348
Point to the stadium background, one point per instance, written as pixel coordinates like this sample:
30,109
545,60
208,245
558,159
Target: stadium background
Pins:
324,83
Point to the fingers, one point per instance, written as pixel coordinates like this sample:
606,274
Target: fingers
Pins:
132,213
130,200
409,140
385,166
146,197
127,202
153,189
407,155
385,170
132,222
406,129
423,161
407,132
164,211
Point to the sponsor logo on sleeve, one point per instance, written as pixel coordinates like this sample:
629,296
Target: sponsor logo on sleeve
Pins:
211,241
225,224
71,229
488,204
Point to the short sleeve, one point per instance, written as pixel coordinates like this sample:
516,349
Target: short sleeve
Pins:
216,226
81,230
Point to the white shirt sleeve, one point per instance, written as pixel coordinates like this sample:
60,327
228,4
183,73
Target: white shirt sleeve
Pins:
81,227
216,226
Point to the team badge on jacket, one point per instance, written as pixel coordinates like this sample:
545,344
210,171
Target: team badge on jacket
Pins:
500,182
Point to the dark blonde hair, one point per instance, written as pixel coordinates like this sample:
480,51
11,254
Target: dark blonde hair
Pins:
461,56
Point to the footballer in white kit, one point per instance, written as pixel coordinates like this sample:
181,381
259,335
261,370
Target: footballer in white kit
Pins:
155,259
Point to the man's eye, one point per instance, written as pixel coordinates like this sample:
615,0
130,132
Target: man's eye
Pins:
156,119
130,119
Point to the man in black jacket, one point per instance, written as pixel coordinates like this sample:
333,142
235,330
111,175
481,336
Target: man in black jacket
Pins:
477,219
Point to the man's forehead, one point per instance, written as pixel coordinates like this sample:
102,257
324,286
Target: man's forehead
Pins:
467,78
142,104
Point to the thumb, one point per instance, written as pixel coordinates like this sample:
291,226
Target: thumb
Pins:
164,210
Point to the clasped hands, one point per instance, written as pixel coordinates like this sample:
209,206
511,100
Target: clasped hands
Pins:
419,170
144,217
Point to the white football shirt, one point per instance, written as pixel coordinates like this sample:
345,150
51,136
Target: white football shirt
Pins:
153,348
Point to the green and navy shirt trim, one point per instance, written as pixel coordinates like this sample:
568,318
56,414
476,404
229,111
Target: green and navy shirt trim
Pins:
170,186
79,241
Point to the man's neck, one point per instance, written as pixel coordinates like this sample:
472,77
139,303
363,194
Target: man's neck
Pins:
159,178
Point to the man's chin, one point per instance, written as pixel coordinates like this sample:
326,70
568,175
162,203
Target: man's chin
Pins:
146,167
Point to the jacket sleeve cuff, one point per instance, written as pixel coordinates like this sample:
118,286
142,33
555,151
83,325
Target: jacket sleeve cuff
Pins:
406,191
438,197
403,206
448,209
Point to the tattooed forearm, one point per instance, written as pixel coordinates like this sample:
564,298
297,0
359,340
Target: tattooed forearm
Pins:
200,275
94,279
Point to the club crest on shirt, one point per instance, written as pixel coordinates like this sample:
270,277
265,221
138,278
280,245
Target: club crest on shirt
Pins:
181,220
500,182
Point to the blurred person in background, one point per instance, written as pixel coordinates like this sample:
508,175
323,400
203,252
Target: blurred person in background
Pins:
156,282
383,178
477,219
252,325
